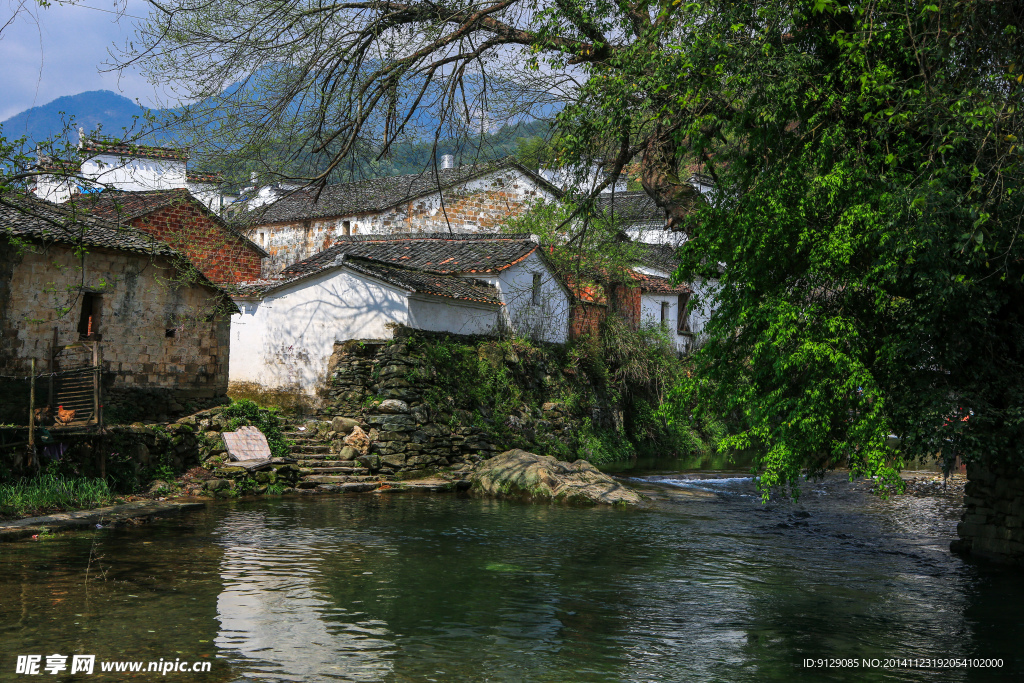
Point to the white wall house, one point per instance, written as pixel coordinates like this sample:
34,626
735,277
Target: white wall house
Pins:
127,168
463,199
285,333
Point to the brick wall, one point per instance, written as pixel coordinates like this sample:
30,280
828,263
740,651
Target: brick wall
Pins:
585,319
221,255
156,334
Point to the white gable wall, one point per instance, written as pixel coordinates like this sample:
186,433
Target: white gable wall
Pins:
285,341
547,319
650,314
135,174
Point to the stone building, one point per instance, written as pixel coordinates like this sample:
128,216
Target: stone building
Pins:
67,277
464,199
176,217
365,285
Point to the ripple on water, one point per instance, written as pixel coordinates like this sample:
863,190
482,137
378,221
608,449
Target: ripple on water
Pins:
708,584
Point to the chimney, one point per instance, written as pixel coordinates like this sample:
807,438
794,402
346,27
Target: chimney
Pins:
448,161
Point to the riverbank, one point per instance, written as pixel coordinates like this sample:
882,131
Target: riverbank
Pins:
137,512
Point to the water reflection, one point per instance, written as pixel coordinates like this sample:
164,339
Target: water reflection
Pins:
272,613
709,584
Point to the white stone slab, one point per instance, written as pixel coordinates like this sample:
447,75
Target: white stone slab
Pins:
248,443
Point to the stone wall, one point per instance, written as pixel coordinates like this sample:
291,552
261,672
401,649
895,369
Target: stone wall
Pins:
384,387
992,525
157,336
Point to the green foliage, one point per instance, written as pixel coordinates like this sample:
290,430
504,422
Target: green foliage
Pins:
267,420
868,222
52,493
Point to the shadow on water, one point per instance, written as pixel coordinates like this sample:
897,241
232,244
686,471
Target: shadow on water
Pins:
706,585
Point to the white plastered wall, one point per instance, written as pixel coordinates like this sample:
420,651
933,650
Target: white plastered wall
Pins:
285,340
548,319
135,174
650,314
438,314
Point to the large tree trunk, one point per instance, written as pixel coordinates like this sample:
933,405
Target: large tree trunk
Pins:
660,178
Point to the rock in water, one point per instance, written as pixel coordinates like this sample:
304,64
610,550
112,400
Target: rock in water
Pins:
518,473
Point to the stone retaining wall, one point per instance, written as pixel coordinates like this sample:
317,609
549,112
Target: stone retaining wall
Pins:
370,382
992,525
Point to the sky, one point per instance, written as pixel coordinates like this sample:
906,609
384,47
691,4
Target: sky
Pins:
49,52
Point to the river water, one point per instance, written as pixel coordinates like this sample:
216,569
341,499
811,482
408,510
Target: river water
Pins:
709,584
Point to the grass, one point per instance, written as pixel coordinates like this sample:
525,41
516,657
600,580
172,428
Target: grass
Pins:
52,493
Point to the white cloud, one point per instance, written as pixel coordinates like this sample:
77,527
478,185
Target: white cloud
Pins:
60,50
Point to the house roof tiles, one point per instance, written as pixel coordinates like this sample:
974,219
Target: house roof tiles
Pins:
377,194
121,149
35,219
630,207
438,253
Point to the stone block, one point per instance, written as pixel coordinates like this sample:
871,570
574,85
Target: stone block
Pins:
344,425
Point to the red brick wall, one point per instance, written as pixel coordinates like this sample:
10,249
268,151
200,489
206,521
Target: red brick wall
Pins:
585,319
218,253
626,302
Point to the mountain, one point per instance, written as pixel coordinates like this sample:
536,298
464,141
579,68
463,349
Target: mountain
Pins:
89,109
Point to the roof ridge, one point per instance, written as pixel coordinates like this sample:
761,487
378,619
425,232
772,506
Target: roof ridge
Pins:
454,236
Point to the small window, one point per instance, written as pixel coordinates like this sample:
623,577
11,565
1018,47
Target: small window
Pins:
683,323
263,239
89,322
170,333
536,289
346,227
664,313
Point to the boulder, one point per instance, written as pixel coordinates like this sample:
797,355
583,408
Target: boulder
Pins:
358,440
343,425
393,406
516,473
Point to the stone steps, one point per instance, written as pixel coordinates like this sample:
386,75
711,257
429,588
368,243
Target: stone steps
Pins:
337,470
308,448
339,479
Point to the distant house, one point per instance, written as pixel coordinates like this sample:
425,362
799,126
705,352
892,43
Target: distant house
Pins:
67,277
464,199
113,165
465,284
176,217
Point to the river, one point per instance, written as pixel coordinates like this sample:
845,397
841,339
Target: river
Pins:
709,584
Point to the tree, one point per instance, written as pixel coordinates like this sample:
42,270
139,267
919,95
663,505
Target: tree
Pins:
343,80
865,154
868,220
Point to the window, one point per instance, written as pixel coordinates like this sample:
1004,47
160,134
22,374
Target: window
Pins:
263,239
683,323
169,333
664,313
346,227
536,289
89,322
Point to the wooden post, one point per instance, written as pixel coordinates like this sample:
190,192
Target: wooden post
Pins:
99,388
53,368
32,414
95,385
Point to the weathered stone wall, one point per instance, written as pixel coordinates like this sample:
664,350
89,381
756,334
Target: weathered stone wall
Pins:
992,525
370,382
158,337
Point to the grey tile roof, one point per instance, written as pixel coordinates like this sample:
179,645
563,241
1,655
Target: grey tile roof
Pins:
437,252
630,207
38,220
450,286
660,256
116,147
377,194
